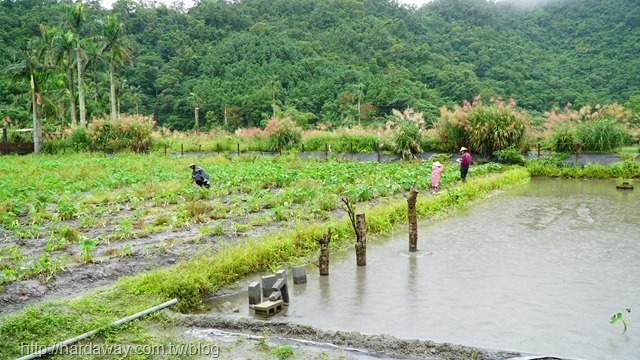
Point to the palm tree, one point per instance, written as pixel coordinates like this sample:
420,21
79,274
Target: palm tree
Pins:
273,86
76,16
359,94
62,54
196,105
30,68
112,43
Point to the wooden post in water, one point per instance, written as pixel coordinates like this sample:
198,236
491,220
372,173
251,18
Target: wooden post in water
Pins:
378,150
358,223
538,150
165,149
413,223
361,241
326,151
577,148
238,149
323,261
182,149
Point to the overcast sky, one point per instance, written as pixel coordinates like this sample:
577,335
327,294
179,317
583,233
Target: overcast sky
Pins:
188,3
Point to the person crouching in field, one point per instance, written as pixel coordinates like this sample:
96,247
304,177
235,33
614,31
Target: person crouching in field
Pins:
436,169
199,176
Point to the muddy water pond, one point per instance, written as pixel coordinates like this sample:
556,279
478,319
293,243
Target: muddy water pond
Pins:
537,269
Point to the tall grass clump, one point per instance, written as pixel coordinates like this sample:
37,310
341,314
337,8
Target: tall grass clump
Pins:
407,130
282,133
599,128
132,133
344,139
602,135
483,128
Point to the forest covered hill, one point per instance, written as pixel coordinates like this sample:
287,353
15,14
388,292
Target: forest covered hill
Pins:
325,60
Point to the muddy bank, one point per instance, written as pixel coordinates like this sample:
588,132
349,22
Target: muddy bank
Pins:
355,343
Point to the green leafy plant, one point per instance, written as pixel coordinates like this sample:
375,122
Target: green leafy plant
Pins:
127,250
263,343
510,156
619,317
66,210
282,351
86,245
54,244
46,266
70,234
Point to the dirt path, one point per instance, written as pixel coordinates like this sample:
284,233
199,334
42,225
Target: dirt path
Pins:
243,338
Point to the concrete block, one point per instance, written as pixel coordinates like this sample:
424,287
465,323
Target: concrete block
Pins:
255,293
275,296
268,308
228,308
267,284
281,286
282,274
300,275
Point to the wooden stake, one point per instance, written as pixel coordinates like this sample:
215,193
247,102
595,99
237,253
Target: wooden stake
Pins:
323,261
361,241
358,223
413,222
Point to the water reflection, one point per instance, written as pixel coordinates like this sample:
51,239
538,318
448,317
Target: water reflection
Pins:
537,269
412,278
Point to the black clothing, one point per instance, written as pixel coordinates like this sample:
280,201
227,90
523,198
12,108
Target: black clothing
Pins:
200,177
464,169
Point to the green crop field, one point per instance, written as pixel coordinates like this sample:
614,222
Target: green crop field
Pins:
67,222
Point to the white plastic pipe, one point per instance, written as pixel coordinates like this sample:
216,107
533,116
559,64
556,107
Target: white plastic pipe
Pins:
74,340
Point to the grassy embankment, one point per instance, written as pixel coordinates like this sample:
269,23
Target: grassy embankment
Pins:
190,279
550,167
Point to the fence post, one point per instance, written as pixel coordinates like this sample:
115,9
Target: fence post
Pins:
538,150
238,149
378,150
326,151
5,141
413,222
351,147
165,149
182,149
302,147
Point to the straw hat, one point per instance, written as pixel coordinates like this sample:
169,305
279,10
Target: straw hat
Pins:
192,165
463,149
437,163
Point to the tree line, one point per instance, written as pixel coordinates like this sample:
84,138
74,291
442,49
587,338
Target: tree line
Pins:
341,62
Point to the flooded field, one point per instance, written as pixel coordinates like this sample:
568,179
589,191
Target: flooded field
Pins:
538,269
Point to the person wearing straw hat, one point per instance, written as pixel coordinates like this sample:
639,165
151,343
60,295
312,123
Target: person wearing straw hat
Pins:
199,176
436,169
464,161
